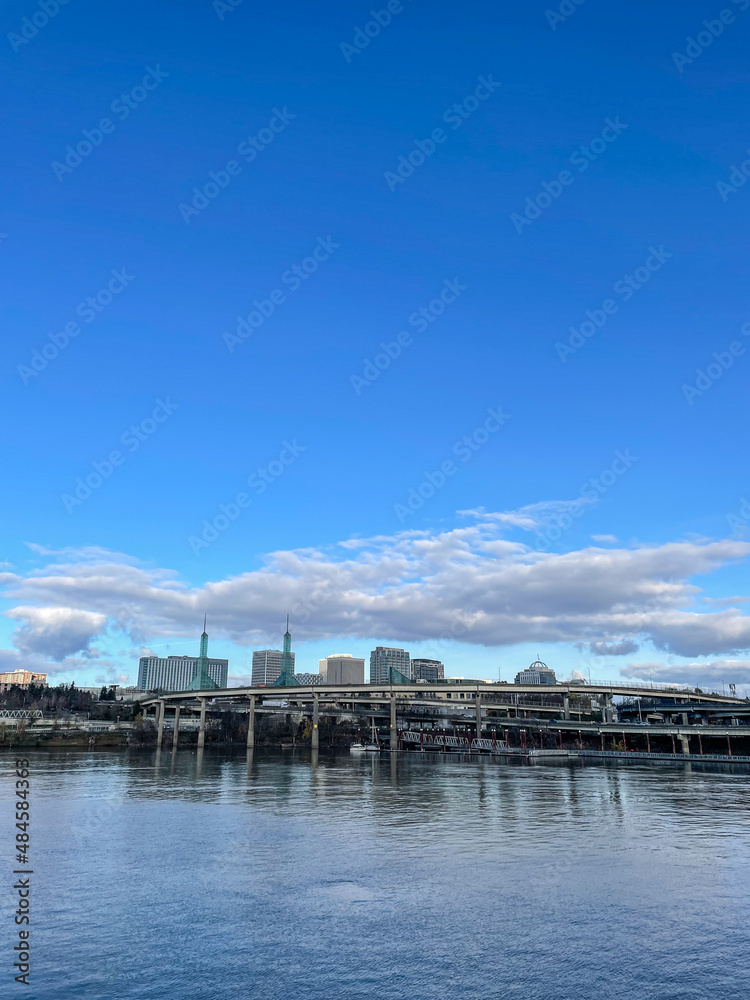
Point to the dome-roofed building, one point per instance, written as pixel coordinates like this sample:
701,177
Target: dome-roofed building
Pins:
537,673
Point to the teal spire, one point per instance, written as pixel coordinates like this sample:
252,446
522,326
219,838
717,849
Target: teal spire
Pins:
286,678
201,681
204,642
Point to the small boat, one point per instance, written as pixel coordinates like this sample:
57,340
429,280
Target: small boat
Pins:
374,745
356,746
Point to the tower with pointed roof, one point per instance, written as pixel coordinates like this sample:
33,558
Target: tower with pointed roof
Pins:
286,678
201,681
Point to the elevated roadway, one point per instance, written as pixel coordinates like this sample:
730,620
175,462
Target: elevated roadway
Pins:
409,698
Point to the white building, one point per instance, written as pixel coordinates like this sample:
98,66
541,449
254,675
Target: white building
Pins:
343,668
174,673
537,673
266,667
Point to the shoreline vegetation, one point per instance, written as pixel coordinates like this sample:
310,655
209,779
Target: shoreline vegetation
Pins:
72,718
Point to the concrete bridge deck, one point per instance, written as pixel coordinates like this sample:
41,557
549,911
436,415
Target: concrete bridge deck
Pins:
437,699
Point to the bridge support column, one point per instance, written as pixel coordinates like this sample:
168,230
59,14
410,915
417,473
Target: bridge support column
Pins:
566,707
315,719
393,731
251,722
202,729
160,734
606,703
176,732
684,743
478,710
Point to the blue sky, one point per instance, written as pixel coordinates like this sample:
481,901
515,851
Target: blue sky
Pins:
314,131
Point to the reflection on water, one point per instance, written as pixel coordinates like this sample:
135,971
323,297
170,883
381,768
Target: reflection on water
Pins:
278,875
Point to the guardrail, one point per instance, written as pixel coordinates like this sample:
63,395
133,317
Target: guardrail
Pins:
642,755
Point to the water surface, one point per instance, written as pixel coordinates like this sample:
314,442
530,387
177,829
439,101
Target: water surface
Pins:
292,875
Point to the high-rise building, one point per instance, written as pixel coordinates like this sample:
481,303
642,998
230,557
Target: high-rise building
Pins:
175,673
389,665
323,666
22,679
427,670
343,668
286,677
266,667
537,673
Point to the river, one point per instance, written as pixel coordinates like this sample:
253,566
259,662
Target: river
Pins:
290,875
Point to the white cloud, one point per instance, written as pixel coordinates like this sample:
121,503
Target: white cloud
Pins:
56,632
695,674
533,516
408,587
621,648
605,539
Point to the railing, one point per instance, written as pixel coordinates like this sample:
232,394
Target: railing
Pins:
679,688
642,755
460,742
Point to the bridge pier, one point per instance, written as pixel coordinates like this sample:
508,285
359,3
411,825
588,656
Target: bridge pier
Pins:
478,709
315,719
684,743
176,732
202,729
393,743
160,734
251,722
566,706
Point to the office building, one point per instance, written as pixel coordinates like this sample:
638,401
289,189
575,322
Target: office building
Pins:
389,665
266,667
537,673
427,670
175,673
343,668
323,666
21,678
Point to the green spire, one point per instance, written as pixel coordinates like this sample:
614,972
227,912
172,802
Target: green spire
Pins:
286,678
201,681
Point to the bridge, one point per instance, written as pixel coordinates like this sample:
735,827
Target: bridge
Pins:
507,703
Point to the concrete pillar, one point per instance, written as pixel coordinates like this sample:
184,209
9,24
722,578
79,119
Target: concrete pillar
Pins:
202,730
393,731
251,722
315,730
176,733
478,710
161,725
566,706
684,743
